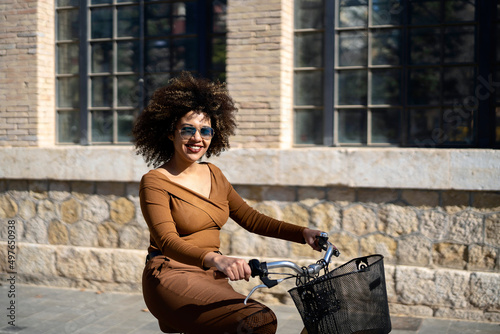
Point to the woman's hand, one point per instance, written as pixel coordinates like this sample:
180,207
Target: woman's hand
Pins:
310,238
234,268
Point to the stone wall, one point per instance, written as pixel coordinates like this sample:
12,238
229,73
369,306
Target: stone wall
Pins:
441,248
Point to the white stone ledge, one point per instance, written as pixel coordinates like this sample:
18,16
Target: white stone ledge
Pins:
403,168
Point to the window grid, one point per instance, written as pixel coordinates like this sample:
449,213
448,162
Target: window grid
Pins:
105,129
309,68
67,70
116,72
425,117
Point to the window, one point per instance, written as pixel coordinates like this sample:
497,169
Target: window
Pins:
112,55
396,73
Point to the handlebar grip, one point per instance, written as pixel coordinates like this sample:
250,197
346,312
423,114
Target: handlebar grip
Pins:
258,269
323,240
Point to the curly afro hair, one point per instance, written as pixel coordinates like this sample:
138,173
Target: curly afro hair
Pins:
168,104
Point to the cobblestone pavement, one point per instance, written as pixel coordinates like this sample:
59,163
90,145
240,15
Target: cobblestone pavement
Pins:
63,311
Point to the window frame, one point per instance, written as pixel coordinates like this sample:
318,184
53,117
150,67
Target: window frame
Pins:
483,122
204,35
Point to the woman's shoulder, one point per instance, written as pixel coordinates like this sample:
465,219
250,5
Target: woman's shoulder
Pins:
152,177
210,165
214,169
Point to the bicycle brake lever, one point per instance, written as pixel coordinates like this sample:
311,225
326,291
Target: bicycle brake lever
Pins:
253,290
267,284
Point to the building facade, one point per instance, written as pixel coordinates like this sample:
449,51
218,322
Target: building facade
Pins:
353,118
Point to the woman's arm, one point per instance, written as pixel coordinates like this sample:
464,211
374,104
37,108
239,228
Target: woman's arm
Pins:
234,268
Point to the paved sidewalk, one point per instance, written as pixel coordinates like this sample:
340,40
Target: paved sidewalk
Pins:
63,311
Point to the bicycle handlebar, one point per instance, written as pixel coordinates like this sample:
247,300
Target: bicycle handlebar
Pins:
261,269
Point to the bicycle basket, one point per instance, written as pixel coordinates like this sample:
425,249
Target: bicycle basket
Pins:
350,299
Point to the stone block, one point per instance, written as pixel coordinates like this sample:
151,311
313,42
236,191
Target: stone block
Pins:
296,214
46,210
342,195
27,209
325,217
132,189
467,227
422,286
414,285
122,210
449,255
434,224
282,194
359,220
35,231
18,186
486,200
82,188
71,211
38,188
452,288
378,196
81,263
414,250
347,244
411,310
37,260
421,198
249,192
83,233
107,236
268,208
110,188
390,283
483,258
252,245
128,266
455,200
314,194
304,251
274,248
8,207
485,291
59,191
397,220
133,237
95,209
379,244
58,233
492,230
451,313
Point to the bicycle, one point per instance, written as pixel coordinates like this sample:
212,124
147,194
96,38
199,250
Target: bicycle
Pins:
351,298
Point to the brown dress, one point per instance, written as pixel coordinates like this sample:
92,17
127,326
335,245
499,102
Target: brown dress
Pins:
184,226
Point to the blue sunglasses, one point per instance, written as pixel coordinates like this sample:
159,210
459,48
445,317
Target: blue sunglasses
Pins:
187,132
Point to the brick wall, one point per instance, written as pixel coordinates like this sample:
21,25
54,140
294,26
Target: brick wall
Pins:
258,49
26,73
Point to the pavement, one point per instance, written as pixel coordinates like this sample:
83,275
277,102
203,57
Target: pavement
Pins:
50,310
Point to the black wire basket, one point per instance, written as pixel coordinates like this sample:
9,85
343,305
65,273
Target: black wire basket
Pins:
350,299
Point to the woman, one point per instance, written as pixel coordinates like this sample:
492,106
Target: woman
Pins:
186,202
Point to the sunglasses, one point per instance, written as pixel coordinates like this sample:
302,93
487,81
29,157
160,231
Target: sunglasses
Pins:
187,132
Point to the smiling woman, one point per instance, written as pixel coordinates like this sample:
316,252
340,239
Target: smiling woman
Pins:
186,202
160,119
